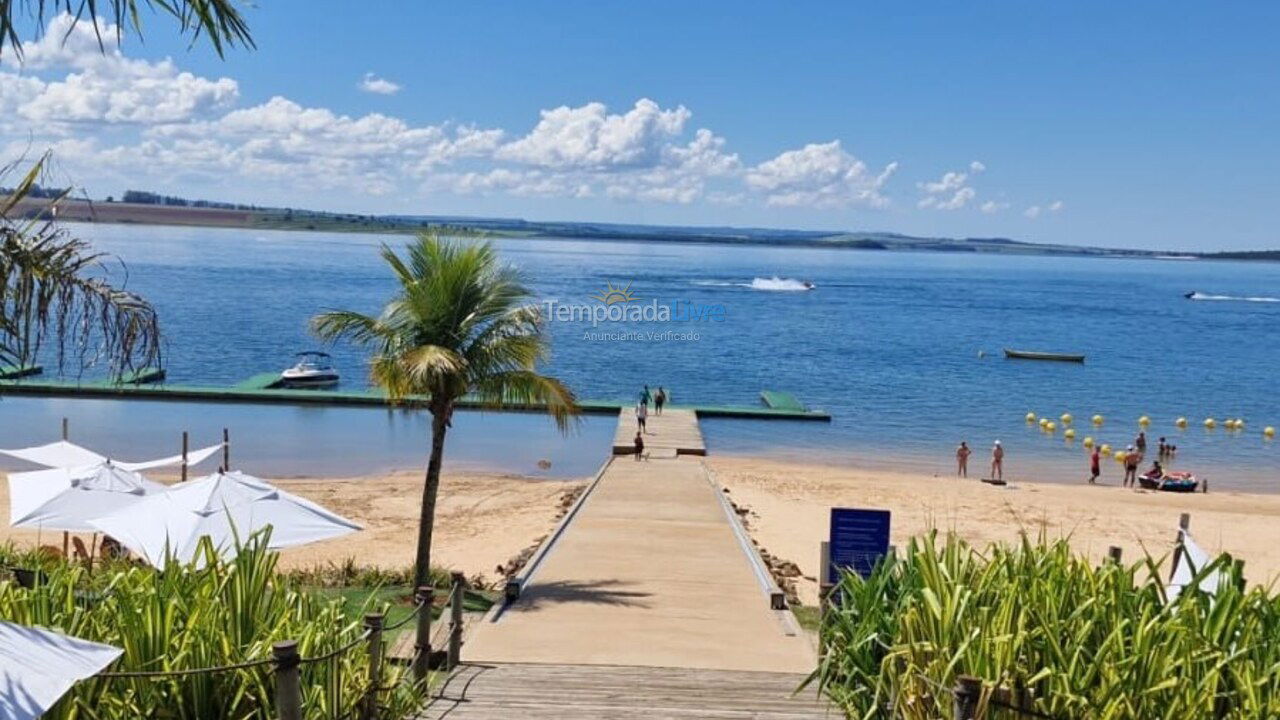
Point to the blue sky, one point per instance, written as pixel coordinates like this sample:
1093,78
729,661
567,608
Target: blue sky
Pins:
1129,124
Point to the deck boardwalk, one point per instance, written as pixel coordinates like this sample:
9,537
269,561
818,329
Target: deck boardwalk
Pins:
575,692
674,432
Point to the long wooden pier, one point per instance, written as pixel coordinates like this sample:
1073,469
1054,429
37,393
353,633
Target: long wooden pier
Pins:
649,602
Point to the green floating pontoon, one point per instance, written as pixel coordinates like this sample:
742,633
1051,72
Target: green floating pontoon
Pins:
775,400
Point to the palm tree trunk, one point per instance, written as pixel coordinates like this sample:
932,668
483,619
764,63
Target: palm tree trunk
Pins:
430,488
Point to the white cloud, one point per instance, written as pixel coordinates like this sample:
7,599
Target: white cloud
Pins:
1036,211
820,176
104,87
371,83
951,191
991,207
589,137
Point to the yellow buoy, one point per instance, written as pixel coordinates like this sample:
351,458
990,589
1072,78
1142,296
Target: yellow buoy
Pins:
1119,456
1210,423
1269,431
1180,422
1239,424
1144,421
1229,424
1088,441
1097,419
1066,418
1105,449
1069,434
1051,426
1031,417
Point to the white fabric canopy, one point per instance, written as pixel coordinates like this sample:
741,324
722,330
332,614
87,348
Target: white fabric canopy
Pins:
1189,562
221,506
39,666
67,498
63,454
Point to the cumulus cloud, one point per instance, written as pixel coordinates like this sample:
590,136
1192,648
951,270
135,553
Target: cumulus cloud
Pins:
371,83
952,191
821,176
104,87
991,207
590,137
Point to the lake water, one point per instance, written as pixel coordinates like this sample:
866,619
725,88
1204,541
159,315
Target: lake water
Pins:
891,344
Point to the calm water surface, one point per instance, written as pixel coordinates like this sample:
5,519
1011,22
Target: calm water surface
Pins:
891,344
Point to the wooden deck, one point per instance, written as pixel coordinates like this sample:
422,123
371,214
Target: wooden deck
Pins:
576,692
674,432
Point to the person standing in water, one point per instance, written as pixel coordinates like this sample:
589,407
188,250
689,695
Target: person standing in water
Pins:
642,414
1131,459
997,461
1095,465
659,399
1141,442
962,459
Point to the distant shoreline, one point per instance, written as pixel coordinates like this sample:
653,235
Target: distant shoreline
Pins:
79,210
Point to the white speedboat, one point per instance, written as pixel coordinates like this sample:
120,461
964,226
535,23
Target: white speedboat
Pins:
312,370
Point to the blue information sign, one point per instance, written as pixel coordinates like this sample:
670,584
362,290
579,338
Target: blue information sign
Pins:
859,538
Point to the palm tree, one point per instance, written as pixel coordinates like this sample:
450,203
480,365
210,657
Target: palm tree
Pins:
461,323
218,20
53,286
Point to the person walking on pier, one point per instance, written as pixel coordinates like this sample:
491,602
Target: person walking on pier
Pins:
645,396
659,399
639,447
642,414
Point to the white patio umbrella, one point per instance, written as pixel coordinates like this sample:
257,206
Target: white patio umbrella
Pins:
64,454
39,666
221,506
67,498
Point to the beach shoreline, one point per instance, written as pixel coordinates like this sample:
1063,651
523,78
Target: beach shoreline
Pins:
788,509
485,519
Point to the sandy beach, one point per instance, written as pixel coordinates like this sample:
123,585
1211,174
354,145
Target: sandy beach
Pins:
482,520
789,513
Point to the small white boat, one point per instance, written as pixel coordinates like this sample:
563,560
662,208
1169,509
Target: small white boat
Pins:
312,370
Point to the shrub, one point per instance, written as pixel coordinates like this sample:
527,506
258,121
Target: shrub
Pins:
1087,641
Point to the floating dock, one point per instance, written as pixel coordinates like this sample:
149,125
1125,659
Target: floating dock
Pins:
260,389
781,401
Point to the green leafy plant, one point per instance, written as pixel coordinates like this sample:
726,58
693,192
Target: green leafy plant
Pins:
1082,640
213,613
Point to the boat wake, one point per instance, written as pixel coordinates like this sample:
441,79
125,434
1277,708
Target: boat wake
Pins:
770,284
1236,298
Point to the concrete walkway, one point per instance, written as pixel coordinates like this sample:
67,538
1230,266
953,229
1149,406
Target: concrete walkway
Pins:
649,573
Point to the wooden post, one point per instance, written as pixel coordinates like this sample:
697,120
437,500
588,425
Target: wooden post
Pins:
1113,554
226,450
424,596
373,624
288,680
455,620
186,444
1184,523
65,430
967,693
824,592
